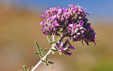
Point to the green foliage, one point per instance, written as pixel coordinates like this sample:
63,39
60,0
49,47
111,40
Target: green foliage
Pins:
55,41
45,51
25,68
39,49
54,49
52,41
48,39
61,30
42,54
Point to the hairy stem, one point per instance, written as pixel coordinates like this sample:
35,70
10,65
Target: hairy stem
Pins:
49,52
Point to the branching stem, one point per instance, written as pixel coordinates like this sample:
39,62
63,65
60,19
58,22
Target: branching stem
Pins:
49,52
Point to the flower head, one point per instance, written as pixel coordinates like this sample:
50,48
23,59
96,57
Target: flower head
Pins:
56,18
73,21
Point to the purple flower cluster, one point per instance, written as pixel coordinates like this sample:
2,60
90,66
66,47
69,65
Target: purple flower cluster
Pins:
57,18
82,31
73,23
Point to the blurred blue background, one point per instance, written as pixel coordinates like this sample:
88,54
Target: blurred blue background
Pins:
19,28
93,7
96,8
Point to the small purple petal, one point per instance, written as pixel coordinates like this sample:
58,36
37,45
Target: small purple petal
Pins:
62,19
66,21
95,35
67,41
47,11
67,17
71,25
56,24
78,34
78,12
61,44
68,53
72,31
69,29
61,48
58,7
71,47
94,42
41,16
45,33
81,22
42,23
42,29
53,17
75,37
88,24
50,28
59,11
64,10
70,5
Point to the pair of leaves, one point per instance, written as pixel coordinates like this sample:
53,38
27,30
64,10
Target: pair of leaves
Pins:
47,62
41,54
52,41
25,68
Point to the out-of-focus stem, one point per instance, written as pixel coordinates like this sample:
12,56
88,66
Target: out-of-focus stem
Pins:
49,52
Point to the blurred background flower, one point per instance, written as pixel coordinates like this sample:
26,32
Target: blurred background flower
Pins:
19,28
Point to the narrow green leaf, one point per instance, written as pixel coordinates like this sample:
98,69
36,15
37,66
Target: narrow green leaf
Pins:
25,68
36,53
37,46
50,62
48,39
54,49
60,53
45,51
39,51
47,64
50,65
57,34
46,57
69,43
28,69
32,67
61,30
43,61
55,41
53,52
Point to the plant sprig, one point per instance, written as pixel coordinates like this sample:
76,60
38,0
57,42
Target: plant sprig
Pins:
42,54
